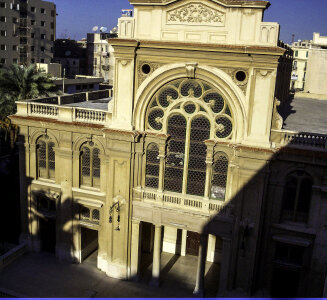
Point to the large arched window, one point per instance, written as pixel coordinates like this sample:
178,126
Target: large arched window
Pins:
297,197
46,160
90,165
191,112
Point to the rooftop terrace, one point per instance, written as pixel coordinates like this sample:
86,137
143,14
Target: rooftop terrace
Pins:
89,107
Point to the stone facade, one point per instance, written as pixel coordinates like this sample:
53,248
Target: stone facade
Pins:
189,158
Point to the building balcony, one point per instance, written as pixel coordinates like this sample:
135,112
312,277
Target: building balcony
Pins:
302,140
89,107
188,203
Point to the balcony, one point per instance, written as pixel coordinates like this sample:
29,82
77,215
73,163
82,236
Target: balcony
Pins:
194,204
90,108
302,140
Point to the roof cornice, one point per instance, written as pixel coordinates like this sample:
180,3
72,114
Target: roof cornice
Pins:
227,3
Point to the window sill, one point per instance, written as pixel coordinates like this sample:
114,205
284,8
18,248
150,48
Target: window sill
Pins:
46,182
296,227
89,191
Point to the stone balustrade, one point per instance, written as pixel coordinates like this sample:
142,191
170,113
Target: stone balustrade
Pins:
300,139
184,202
63,113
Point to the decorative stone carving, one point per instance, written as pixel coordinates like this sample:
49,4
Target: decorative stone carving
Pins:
196,14
124,62
232,73
277,118
141,75
190,69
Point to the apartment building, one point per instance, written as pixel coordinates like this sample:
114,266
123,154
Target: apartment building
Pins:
100,56
300,63
27,31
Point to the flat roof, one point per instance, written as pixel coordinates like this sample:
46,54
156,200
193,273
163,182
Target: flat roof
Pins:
305,115
100,104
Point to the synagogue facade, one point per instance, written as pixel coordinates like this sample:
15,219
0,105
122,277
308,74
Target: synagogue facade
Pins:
187,156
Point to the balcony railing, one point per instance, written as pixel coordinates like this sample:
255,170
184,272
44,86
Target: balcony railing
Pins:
52,108
300,139
196,204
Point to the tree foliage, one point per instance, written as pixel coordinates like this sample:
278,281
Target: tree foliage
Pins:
21,83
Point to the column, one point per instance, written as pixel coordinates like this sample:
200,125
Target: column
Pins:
156,257
183,247
224,267
199,285
135,250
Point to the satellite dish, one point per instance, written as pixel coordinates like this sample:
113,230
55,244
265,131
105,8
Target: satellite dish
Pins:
95,28
114,30
103,29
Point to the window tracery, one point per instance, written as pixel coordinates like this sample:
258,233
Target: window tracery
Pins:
90,165
46,160
297,197
190,112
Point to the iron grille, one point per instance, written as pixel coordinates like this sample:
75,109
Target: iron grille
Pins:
176,153
152,166
200,131
219,177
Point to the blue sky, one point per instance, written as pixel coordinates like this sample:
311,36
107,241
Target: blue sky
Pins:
300,17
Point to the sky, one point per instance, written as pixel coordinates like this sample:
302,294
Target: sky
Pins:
300,17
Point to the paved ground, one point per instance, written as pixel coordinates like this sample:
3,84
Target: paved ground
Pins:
42,275
305,115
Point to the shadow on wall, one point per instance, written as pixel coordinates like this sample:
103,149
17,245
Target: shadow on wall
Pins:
264,226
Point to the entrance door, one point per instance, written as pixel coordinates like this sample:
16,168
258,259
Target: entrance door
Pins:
48,235
192,243
89,243
285,283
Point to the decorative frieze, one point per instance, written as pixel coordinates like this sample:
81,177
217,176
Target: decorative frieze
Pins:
234,73
145,69
196,14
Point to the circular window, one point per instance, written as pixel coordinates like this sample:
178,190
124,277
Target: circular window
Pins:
146,69
240,76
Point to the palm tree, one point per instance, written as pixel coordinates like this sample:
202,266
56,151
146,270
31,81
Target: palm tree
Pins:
20,82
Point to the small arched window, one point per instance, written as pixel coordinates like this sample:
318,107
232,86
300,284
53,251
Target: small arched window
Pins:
152,166
297,197
90,165
46,160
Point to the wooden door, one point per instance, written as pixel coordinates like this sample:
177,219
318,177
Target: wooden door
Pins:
192,243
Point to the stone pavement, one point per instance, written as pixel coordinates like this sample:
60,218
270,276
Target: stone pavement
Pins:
305,115
42,275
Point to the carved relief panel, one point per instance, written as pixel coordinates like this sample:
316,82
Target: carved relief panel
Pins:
196,14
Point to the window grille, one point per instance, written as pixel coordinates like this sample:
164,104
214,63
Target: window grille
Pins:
191,112
85,213
90,165
176,153
46,158
219,177
152,166
297,197
200,132
96,215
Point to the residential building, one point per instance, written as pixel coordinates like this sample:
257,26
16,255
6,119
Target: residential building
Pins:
79,84
100,56
300,64
187,158
72,56
316,81
27,29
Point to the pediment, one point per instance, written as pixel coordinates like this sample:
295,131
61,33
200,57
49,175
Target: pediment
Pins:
195,13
